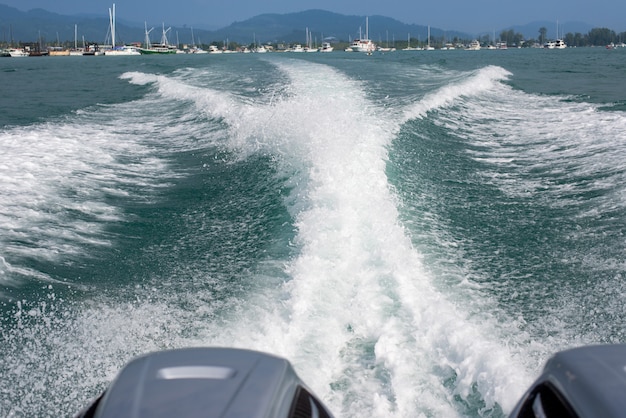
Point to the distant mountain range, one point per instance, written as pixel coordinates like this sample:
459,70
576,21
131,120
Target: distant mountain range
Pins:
18,26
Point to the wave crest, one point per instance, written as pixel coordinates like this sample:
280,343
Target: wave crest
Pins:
482,80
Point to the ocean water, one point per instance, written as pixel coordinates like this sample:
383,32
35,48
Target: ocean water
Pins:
417,232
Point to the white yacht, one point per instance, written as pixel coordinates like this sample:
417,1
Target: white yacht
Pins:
18,52
364,44
473,46
197,50
326,47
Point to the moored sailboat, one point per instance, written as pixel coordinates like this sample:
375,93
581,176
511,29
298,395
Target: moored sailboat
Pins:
118,50
408,45
161,48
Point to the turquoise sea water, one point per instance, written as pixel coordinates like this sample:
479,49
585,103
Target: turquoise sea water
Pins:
417,232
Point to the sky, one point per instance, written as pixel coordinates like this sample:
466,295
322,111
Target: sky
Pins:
468,16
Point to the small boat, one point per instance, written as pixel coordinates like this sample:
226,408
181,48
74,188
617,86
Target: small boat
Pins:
473,46
408,45
37,51
297,48
326,47
18,52
197,50
58,52
76,51
558,44
226,49
123,50
207,382
386,48
92,50
364,44
194,49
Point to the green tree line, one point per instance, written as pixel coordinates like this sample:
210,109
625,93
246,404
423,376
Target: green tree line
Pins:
595,37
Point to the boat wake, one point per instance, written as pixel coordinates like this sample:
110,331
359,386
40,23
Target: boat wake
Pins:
483,80
355,309
359,316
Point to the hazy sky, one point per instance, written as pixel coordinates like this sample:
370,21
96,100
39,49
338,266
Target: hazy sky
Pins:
464,15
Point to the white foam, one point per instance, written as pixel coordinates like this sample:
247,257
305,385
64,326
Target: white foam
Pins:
55,179
560,141
482,80
562,157
208,101
359,305
360,317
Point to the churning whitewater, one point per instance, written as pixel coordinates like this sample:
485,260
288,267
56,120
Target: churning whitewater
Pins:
411,235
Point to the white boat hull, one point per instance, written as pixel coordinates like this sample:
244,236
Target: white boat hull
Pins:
18,53
122,51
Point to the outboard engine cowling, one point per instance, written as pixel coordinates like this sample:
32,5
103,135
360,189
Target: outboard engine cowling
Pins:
585,382
207,382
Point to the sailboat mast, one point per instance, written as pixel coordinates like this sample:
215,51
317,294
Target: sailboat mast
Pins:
112,25
557,29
